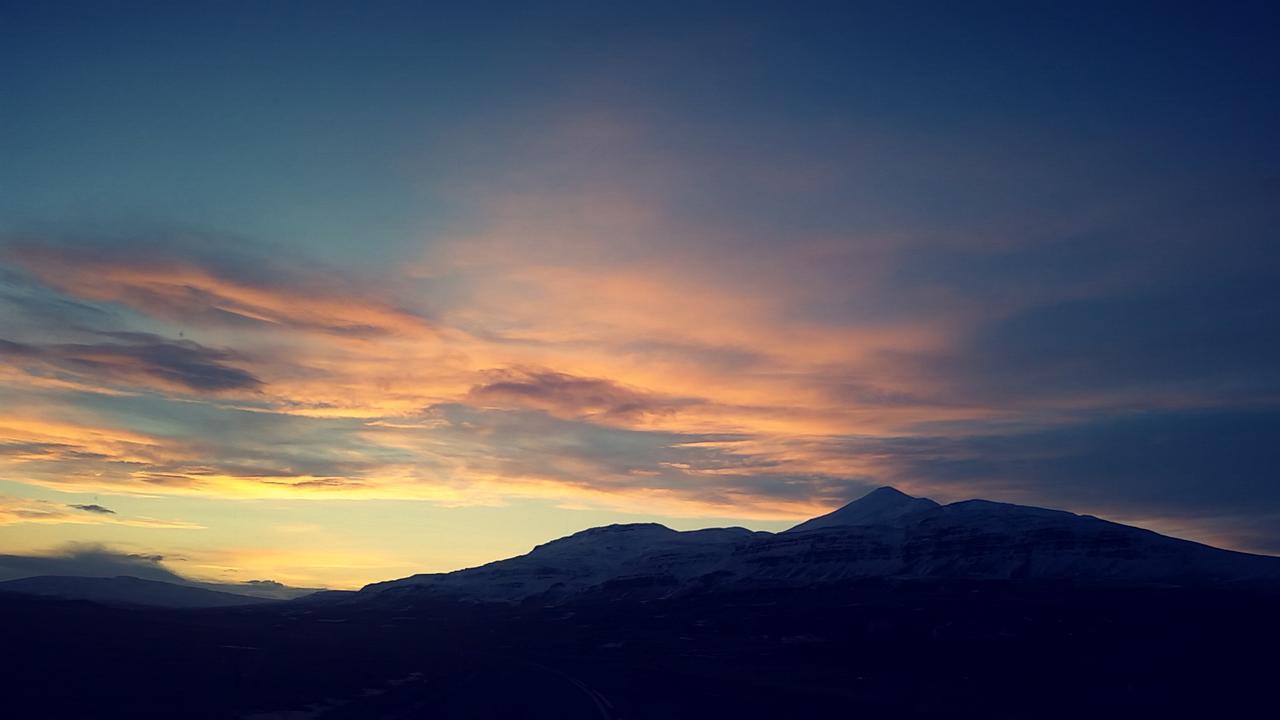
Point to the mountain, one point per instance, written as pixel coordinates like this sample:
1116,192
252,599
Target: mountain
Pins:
124,590
885,534
611,557
882,506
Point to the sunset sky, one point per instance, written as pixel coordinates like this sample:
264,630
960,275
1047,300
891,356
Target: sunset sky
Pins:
334,293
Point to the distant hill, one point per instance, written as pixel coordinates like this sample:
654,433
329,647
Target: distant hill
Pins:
125,590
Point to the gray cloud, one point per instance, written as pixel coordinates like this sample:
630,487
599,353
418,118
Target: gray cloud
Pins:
93,508
1218,341
136,359
96,560
569,395
1168,303
87,560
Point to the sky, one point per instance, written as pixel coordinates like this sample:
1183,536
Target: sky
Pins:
330,293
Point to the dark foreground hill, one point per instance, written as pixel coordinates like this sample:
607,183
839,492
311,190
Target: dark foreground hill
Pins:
867,649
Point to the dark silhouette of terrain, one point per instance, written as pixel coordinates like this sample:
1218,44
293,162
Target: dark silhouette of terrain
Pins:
126,590
885,534
875,648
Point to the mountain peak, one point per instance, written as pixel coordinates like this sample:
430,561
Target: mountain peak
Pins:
884,491
882,506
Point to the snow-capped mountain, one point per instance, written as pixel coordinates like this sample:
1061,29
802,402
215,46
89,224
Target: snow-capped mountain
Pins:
882,506
883,534
593,559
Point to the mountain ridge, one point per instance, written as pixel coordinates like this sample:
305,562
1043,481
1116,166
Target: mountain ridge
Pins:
884,534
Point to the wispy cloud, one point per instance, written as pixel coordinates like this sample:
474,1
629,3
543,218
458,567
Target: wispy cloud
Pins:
569,395
134,360
178,277
20,510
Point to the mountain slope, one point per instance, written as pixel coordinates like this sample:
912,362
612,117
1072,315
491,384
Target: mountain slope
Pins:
885,534
127,591
646,554
978,539
882,506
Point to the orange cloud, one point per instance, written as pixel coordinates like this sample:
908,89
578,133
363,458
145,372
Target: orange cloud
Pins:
587,345
158,281
556,315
